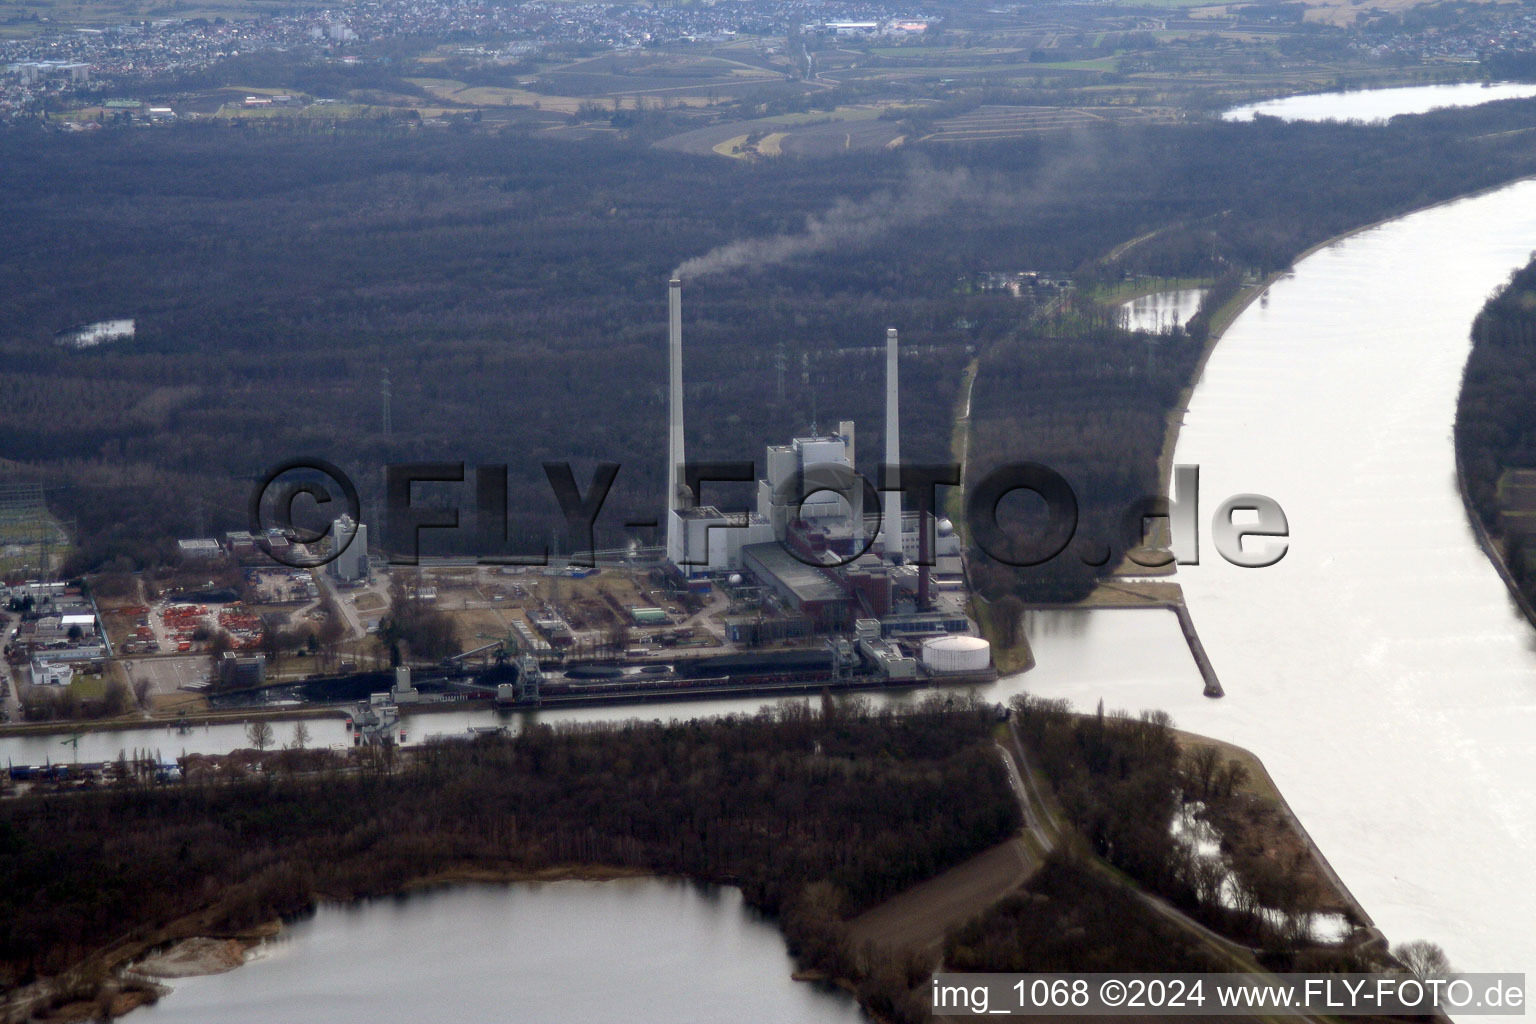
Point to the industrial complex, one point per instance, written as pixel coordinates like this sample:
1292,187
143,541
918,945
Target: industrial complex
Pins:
809,590
813,589
826,584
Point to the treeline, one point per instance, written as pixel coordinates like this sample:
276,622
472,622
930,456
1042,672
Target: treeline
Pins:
1069,917
1496,423
1091,400
814,817
1123,782
513,288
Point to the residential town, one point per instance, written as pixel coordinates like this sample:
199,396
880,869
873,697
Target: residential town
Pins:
66,59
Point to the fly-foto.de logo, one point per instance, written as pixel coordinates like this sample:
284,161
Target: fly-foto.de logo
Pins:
299,512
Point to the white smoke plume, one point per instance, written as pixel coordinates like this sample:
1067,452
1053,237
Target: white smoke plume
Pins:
924,194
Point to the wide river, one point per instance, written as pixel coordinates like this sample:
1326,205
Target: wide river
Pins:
1371,105
1380,669
646,951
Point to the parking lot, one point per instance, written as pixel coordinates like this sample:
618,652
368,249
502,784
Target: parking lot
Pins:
167,675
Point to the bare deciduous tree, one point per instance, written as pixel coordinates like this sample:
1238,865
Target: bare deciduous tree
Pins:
260,734
1423,958
1201,765
1232,778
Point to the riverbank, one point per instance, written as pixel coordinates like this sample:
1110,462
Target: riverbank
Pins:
1140,288
1491,417
228,851
1011,652
194,957
1262,786
235,716
1231,310
1491,548
1338,401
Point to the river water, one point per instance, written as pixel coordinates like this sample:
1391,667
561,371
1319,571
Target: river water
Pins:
639,950
1380,104
1066,644
1121,643
1380,669
634,950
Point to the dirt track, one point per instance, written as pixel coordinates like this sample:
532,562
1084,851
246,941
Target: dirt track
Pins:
919,917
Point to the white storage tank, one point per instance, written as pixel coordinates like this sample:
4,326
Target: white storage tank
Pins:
947,654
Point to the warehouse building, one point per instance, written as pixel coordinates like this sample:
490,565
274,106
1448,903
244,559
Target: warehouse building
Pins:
804,590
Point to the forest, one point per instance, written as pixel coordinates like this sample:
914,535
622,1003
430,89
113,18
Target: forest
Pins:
1070,918
1496,423
513,290
1122,781
814,816
1094,398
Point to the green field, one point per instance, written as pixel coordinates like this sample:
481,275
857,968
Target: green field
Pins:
1097,64
88,687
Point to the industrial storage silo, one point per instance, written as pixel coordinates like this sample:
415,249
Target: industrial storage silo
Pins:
951,654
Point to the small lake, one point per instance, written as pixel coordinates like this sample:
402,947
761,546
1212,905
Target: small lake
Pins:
1162,310
98,333
632,950
1374,105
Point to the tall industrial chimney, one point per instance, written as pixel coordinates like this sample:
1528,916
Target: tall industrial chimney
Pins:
675,399
891,521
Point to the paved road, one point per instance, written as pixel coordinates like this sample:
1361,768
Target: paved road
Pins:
10,703
343,601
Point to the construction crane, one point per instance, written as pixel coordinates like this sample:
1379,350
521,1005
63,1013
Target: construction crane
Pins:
73,741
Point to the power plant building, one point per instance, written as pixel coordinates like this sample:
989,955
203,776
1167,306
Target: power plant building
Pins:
830,526
351,566
791,471
807,590
704,539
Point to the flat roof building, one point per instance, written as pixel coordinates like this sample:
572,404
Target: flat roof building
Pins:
805,589
704,539
51,673
199,548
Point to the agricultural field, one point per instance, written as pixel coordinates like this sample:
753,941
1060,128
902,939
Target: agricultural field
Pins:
843,129
990,122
